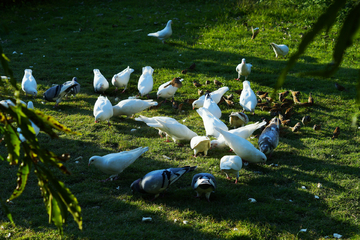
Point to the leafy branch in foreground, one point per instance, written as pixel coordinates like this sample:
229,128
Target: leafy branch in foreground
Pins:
58,199
344,40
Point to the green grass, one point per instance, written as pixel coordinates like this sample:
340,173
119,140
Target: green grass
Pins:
75,38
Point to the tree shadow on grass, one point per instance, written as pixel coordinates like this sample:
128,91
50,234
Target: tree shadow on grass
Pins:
103,203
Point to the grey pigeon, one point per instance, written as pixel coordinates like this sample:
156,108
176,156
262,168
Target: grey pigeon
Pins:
157,181
203,183
56,93
269,138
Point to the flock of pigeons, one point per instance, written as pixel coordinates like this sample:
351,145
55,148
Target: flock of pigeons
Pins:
157,181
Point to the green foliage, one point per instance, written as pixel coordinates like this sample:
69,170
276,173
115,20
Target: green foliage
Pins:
58,199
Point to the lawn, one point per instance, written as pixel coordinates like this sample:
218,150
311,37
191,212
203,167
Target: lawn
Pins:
64,39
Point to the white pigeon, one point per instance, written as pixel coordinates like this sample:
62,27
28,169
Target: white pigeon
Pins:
146,82
243,148
231,164
243,69
248,98
238,119
122,78
100,82
153,120
177,131
200,144
36,129
281,49
115,163
203,183
103,109
28,83
157,181
166,90
163,34
129,107
211,122
215,95
243,132
211,106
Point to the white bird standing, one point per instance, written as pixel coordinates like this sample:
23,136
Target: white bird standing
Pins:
248,98
200,144
28,84
211,106
153,120
103,110
243,148
146,82
177,131
203,183
231,164
211,122
243,69
167,90
243,132
36,129
129,107
215,95
100,82
115,163
281,49
162,35
122,78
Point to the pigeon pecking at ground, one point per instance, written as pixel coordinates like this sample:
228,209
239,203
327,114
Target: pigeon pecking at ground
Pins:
103,109
146,81
100,82
115,163
280,49
157,181
57,92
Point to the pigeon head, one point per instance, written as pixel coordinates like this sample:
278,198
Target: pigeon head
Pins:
214,143
196,104
93,160
266,147
135,186
169,23
243,61
74,79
